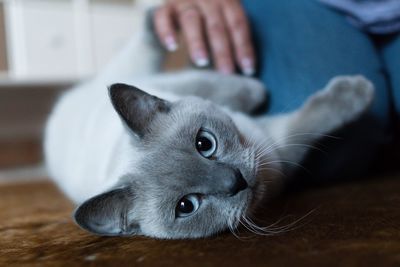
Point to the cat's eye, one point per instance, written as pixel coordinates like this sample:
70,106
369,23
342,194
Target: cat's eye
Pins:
206,143
187,205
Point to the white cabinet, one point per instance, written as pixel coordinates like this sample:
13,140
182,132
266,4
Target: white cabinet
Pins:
42,39
111,26
66,39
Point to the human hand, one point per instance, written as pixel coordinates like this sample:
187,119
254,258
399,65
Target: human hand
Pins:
220,25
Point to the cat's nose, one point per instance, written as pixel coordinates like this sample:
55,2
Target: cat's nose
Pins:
239,184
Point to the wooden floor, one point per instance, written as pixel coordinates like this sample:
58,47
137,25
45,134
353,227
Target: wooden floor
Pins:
355,224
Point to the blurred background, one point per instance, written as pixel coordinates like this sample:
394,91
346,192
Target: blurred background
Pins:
46,46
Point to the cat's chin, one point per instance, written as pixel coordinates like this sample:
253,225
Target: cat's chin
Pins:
258,194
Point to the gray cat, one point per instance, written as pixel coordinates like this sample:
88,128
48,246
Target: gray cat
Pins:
180,157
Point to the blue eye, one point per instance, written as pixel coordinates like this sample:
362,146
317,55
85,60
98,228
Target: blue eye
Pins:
187,205
206,143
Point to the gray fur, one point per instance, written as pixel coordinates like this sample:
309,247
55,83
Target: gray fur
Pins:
161,126
172,168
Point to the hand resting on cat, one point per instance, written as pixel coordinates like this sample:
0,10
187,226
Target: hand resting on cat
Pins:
177,155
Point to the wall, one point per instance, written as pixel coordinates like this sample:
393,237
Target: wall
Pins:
3,51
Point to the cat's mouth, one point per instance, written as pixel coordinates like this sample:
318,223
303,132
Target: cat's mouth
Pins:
255,195
241,215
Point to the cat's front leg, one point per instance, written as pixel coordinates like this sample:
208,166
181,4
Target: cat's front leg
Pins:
236,92
342,101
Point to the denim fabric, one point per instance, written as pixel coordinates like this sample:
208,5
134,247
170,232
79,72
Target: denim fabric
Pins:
390,51
378,17
300,46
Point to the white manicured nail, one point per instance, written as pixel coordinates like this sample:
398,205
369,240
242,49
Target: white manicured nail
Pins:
201,62
171,44
200,59
248,71
248,67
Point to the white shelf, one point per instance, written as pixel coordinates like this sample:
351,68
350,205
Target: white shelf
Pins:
26,83
56,41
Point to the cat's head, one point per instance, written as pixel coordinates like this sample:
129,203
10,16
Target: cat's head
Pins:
196,176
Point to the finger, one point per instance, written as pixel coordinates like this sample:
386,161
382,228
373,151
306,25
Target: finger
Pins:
239,32
218,37
190,22
165,28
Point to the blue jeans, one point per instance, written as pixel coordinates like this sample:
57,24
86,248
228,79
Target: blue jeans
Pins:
300,46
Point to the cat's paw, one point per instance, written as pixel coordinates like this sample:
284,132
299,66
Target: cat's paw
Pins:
253,95
352,93
236,92
350,96
346,97
343,100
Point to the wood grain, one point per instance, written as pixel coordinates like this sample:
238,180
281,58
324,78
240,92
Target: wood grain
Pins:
355,224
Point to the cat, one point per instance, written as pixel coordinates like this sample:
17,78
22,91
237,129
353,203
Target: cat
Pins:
180,157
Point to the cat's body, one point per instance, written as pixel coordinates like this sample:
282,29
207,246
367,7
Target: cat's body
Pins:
134,161
88,147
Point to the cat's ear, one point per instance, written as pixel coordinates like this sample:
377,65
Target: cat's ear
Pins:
136,107
107,214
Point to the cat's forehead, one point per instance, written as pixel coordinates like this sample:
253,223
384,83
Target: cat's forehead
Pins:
196,105
190,124
186,117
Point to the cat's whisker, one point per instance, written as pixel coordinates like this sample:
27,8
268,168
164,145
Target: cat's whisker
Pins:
259,152
267,151
269,227
266,148
288,162
284,138
271,169
258,230
314,134
253,228
234,222
272,229
276,161
232,228
243,222
259,142
277,142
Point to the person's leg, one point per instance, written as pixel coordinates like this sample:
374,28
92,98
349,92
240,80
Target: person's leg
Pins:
301,45
391,57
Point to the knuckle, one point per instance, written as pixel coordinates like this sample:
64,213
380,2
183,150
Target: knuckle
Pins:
221,47
162,11
215,27
192,34
238,23
241,43
158,14
189,15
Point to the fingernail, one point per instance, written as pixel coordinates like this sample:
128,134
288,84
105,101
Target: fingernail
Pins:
171,44
248,67
200,59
